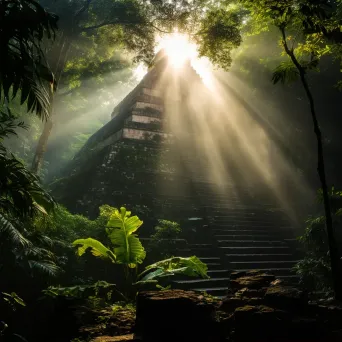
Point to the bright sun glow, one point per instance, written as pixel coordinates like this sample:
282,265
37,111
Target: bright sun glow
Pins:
180,49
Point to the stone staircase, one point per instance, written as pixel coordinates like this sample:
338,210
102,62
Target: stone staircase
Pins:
238,233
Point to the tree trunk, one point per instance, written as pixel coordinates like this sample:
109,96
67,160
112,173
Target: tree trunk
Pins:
336,268
43,140
41,146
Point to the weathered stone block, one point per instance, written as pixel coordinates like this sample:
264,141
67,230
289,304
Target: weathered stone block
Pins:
252,281
285,297
175,315
123,338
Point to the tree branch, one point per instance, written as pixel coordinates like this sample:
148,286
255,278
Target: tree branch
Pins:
106,23
89,28
160,30
83,9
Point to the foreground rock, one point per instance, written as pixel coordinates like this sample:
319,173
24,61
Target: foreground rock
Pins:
258,308
106,322
122,338
263,309
175,315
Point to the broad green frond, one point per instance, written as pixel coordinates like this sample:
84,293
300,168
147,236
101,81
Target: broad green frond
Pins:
127,246
191,266
122,219
97,248
286,72
24,72
129,249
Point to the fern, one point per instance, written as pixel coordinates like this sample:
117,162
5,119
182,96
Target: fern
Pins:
47,267
7,229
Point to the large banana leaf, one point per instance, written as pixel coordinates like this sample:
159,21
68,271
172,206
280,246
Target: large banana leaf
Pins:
191,266
127,246
129,249
123,220
97,248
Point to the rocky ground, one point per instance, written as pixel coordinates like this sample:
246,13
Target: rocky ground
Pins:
257,308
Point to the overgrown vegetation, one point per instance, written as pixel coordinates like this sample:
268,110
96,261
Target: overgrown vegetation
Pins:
129,252
315,269
166,240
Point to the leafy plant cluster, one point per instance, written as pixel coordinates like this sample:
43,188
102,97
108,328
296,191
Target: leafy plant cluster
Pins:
164,242
23,69
315,268
129,252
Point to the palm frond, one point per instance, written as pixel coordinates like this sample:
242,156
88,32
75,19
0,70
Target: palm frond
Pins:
47,267
20,192
9,124
22,63
8,230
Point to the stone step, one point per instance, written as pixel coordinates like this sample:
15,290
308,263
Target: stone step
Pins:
218,273
248,218
233,230
259,257
255,250
239,208
245,234
179,241
290,279
278,272
250,243
250,223
250,229
214,291
251,237
262,264
203,252
214,266
245,223
251,211
200,245
210,259
183,252
257,218
200,283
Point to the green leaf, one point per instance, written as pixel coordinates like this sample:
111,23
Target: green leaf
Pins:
121,219
127,246
191,266
97,248
129,249
13,297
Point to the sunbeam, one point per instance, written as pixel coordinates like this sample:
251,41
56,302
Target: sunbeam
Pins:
216,119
